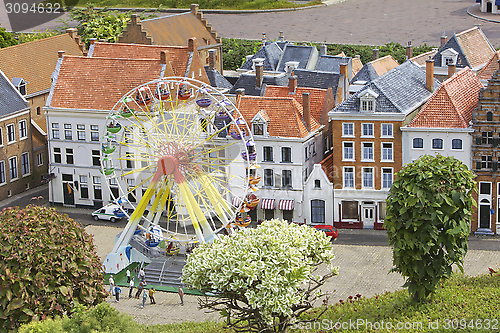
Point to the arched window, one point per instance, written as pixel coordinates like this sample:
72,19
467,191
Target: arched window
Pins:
317,211
489,116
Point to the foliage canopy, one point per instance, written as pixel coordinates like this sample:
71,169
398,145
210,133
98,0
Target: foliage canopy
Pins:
428,217
6,38
48,264
264,277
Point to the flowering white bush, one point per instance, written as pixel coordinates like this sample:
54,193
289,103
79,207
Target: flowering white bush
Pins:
263,277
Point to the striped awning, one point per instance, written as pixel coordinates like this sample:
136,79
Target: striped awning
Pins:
286,204
267,203
236,201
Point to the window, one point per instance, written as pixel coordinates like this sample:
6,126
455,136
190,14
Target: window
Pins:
96,157
286,179
25,164
287,215
348,150
418,143
317,211
55,131
268,154
68,133
57,155
97,188
69,156
485,188
13,167
448,61
386,131
387,152
386,178
456,144
268,177
306,153
80,132
349,177
350,210
11,136
313,148
39,159
437,143
486,162
2,172
366,105
286,154
367,130
38,110
258,129
347,129
94,132
382,209
487,138
131,194
23,132
114,191
367,177
129,158
1,138
489,116
317,183
84,187
367,148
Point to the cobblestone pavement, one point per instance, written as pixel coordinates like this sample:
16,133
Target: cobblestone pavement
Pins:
363,270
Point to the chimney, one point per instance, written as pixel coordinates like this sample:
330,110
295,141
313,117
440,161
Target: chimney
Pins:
281,38
375,53
306,105
259,73
292,84
444,39
194,9
452,68
256,61
92,41
322,49
264,39
60,54
429,74
343,70
71,32
409,50
192,44
164,57
211,59
135,19
240,92
357,56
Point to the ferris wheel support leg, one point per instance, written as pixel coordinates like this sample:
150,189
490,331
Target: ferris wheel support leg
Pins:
216,200
163,202
186,194
154,206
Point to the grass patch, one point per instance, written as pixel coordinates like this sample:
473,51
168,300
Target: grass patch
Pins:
204,4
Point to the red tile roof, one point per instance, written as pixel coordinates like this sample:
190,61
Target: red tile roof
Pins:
452,103
491,67
327,166
179,55
285,115
317,97
98,83
475,46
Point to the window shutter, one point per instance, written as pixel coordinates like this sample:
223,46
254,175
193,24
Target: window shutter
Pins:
478,140
478,165
495,166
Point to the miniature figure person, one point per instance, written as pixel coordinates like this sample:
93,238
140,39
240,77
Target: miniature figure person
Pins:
131,286
142,275
152,292
128,275
144,296
139,290
181,295
111,285
118,290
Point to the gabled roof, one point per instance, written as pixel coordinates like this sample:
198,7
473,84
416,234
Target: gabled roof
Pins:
421,58
316,79
317,97
328,63
356,65
376,68
491,67
176,29
11,100
400,90
302,54
247,81
473,48
285,115
216,79
271,53
327,166
179,55
452,103
35,61
98,83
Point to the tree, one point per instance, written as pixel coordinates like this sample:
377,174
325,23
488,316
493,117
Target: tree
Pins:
48,264
6,38
264,278
428,217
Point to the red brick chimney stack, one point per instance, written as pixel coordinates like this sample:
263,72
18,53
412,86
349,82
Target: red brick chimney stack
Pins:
211,59
135,19
444,39
292,84
429,74
194,9
306,105
452,68
259,74
343,70
192,45
71,32
60,54
409,50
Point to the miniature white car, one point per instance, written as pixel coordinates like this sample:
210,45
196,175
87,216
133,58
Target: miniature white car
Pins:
110,212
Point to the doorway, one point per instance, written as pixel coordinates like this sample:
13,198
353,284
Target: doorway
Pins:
368,217
68,190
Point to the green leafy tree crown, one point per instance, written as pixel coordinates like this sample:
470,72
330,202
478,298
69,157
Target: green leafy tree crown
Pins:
48,264
264,277
6,38
428,220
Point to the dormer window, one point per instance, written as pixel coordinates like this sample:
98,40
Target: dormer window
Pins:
449,57
20,85
259,123
367,100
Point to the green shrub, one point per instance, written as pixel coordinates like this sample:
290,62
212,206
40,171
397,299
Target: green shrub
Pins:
29,37
6,38
46,326
48,263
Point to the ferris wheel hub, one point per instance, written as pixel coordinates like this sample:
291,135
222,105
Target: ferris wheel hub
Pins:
167,164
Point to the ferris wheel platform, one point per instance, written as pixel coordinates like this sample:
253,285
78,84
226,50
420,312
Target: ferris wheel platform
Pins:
165,272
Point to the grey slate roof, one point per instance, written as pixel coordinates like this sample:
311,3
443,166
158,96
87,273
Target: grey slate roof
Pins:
11,100
452,43
216,79
329,63
271,53
316,79
299,53
401,90
366,73
247,81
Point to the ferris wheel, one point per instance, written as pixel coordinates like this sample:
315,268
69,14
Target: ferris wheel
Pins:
180,157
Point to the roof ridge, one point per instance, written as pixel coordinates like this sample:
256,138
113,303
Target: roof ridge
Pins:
142,45
35,41
466,31
108,58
